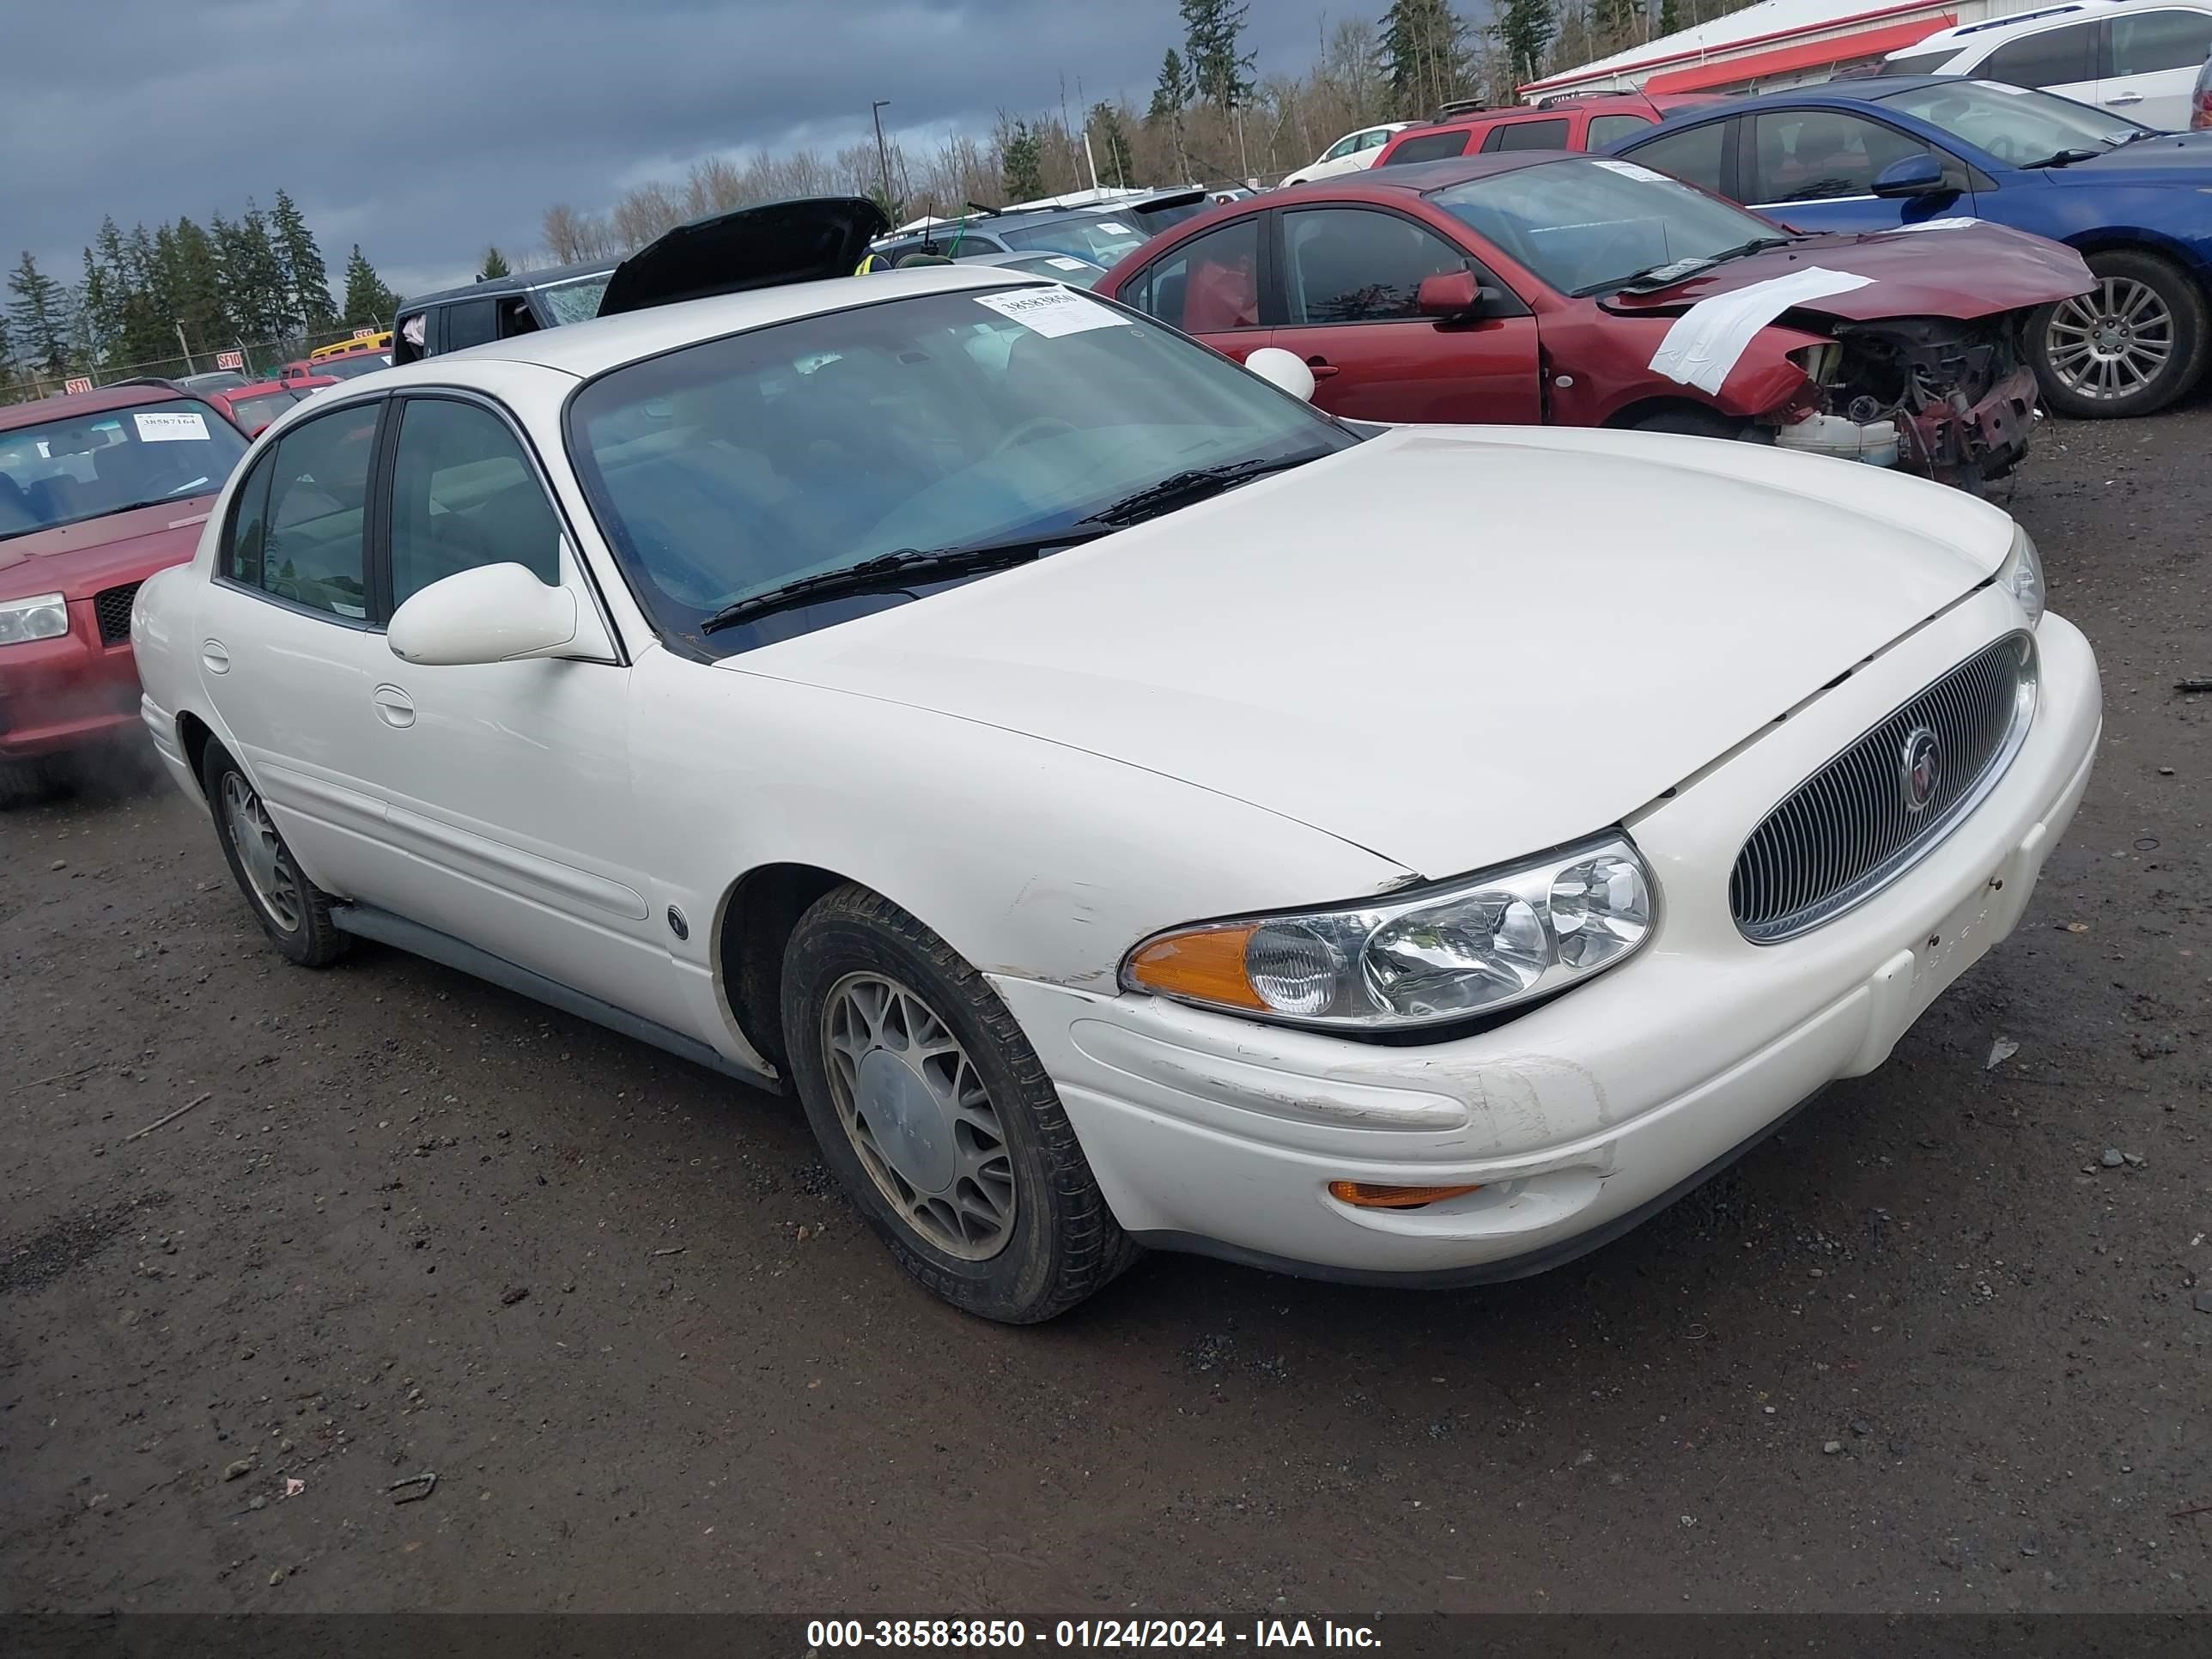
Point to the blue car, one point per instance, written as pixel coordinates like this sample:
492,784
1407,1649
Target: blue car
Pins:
1878,153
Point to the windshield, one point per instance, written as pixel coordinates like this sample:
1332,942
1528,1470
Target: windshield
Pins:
1059,267
573,302
90,465
1102,241
1587,225
255,412
2013,124
345,368
736,465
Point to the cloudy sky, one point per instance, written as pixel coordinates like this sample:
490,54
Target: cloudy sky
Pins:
424,129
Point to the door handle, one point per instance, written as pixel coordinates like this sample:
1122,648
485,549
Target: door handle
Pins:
1323,368
216,660
2126,98
394,706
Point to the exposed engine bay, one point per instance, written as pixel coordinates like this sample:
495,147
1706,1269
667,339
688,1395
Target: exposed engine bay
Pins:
1959,393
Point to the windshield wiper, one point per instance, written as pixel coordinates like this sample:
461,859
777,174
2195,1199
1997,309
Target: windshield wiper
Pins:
2066,158
892,570
1667,272
1182,489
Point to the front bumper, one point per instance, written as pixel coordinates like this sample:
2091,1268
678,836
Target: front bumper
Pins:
1216,1134
65,693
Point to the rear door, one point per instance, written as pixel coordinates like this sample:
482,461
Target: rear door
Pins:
1814,169
2152,56
1350,278
1209,287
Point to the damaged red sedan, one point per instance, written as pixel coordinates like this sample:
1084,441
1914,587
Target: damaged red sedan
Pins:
1578,290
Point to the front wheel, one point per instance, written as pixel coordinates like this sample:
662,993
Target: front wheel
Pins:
2130,346
292,910
937,1115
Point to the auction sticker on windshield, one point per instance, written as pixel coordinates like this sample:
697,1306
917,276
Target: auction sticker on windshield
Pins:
1629,170
171,428
1053,311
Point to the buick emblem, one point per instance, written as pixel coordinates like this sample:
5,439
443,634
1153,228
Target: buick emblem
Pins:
1921,773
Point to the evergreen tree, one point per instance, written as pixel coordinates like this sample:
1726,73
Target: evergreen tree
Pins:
1172,94
98,321
1525,28
1612,25
253,283
1022,169
1218,74
494,264
1110,144
1425,54
195,279
368,303
39,317
1670,19
306,282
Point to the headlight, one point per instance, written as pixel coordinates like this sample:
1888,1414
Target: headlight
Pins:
1447,953
2022,575
45,618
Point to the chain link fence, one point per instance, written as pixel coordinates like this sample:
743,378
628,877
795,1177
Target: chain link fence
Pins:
257,361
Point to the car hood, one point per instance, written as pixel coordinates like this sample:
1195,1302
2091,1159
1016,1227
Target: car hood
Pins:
801,241
92,554
1450,647
2180,158
1964,269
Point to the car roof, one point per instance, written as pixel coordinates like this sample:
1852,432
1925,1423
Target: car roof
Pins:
1995,29
587,348
1586,103
519,282
1381,183
97,401
1873,89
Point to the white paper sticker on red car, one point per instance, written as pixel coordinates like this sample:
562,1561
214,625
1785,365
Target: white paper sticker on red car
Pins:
160,428
1052,311
1629,170
1705,341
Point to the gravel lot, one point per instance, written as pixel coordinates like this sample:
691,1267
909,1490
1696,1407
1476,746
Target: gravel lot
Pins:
1924,1350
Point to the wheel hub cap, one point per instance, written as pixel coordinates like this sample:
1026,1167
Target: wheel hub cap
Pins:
260,853
2113,342
911,1129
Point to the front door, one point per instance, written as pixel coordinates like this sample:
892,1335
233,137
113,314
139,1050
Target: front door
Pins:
2155,54
1814,170
1350,282
506,785
287,649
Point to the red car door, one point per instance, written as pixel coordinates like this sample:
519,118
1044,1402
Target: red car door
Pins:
1209,288
1350,282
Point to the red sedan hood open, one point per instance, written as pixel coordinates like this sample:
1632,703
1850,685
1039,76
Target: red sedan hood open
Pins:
1960,269
82,557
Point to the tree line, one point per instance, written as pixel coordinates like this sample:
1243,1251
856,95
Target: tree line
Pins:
1211,117
166,300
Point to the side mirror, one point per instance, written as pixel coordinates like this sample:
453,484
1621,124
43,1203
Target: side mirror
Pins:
493,613
1283,368
1912,175
1456,295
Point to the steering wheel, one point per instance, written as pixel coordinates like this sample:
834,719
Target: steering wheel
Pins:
1037,426
2000,147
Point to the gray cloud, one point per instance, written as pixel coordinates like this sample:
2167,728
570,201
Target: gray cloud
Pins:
424,130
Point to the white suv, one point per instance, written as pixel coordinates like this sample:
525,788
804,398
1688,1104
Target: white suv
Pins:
2138,58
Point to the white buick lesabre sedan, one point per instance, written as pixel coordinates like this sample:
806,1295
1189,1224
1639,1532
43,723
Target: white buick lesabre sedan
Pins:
1125,806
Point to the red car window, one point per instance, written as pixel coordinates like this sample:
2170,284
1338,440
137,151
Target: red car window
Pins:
1210,284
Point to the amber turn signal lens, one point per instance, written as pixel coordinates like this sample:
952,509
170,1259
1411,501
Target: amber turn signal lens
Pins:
1207,966
1368,1196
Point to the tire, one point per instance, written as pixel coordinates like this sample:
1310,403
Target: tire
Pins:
1001,1217
292,911
24,782
2088,373
1694,423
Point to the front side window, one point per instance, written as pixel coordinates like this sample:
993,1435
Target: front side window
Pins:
1211,283
1695,155
1818,155
1429,147
464,493
1353,265
2024,129
2146,42
1343,147
88,466
470,322
1587,224
2054,57
573,302
1550,134
938,422
299,529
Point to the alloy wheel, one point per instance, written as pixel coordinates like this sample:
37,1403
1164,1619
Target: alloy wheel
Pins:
915,1108
261,853
2109,345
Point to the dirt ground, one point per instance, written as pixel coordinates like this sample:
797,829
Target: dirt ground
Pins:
1924,1350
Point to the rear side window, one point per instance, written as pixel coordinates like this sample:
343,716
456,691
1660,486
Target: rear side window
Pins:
1693,155
1527,135
470,322
1210,284
1610,129
1428,147
298,533
2145,42
2055,57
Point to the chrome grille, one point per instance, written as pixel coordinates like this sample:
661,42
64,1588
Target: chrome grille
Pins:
112,607
1853,826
